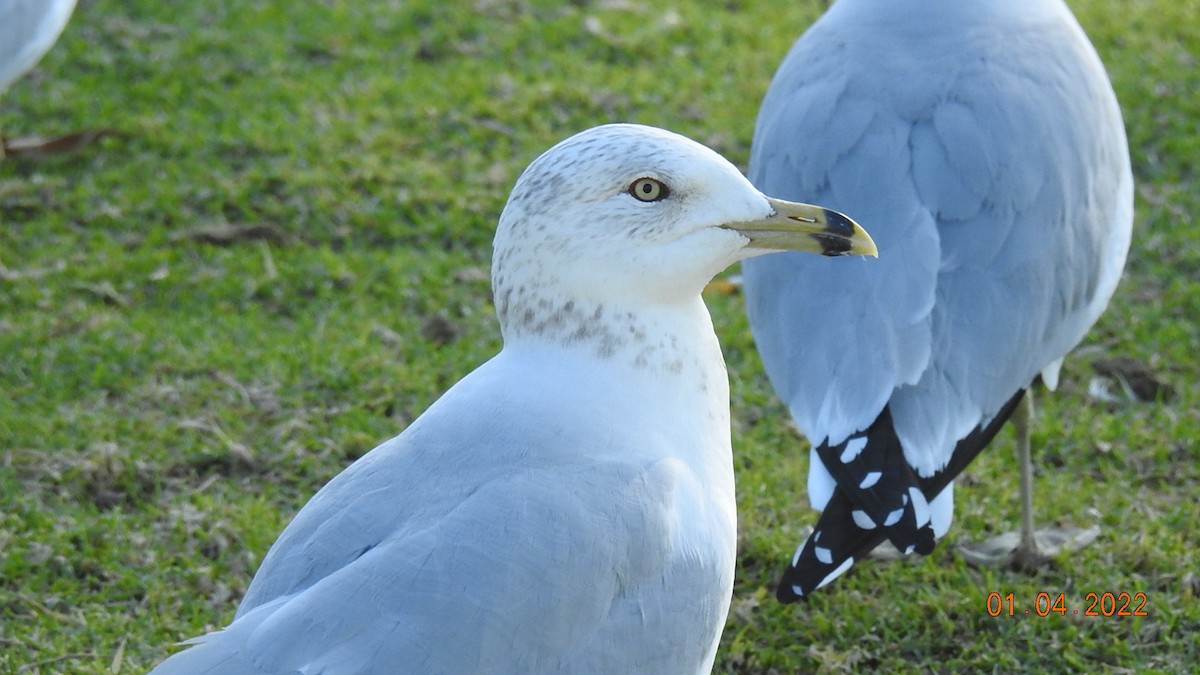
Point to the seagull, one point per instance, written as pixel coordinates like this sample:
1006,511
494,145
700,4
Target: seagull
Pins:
982,144
28,29
568,507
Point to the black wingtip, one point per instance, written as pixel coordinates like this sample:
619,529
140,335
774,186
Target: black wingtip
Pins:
843,540
786,596
925,541
829,552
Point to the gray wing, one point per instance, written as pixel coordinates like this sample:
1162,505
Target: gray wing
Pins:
426,558
28,28
990,166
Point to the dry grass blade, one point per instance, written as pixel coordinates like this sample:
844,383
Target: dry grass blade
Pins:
36,146
227,234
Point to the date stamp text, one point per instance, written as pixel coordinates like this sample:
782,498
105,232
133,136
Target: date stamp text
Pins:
1045,604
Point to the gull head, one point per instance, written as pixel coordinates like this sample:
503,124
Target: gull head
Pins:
634,215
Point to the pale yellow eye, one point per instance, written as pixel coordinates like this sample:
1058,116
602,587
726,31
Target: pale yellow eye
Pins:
648,190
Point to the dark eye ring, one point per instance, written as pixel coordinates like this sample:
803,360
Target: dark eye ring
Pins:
649,190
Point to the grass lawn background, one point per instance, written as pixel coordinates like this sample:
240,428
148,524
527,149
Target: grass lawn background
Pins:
283,260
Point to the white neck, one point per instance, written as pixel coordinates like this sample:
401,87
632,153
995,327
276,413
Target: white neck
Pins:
665,359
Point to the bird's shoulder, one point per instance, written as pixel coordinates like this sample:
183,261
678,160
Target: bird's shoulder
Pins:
484,448
539,556
467,525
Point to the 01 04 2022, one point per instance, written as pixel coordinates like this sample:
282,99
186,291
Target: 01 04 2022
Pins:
1108,604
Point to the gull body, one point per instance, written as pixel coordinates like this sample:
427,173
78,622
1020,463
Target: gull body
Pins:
28,29
568,507
981,143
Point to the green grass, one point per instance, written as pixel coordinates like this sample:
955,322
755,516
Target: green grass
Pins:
166,404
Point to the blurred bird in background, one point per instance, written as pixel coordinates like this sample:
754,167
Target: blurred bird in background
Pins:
28,29
981,143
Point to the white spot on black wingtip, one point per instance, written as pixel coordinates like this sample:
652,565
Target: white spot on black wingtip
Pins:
893,517
920,506
910,549
796,555
870,480
853,449
862,520
841,569
823,554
